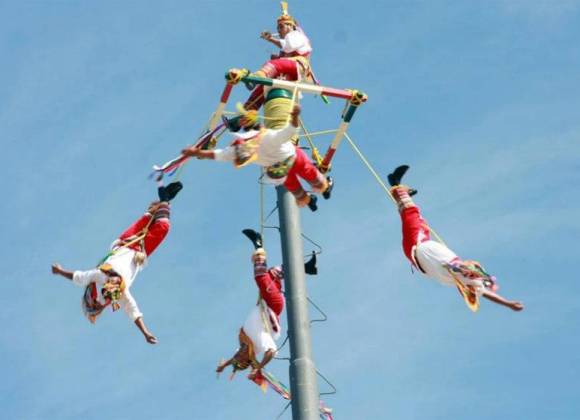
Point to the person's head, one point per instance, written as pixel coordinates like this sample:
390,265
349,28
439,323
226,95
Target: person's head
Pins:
244,357
246,119
285,25
473,270
249,121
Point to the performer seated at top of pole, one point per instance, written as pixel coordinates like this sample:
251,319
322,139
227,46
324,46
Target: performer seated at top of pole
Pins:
292,63
262,327
274,150
434,259
109,283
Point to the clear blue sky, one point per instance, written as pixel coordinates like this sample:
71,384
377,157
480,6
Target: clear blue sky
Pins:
480,98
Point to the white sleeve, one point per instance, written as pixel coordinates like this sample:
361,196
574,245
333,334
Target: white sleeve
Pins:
84,278
130,305
293,41
223,155
281,135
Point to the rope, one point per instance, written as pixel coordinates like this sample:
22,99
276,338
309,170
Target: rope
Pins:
261,205
284,410
317,133
382,184
294,94
180,168
315,155
138,238
262,117
310,134
369,167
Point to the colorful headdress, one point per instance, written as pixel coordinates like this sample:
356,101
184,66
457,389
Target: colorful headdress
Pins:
285,17
246,119
245,356
473,270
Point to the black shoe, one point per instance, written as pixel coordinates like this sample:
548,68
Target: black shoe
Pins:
312,204
162,193
253,236
397,175
412,192
172,190
310,265
326,194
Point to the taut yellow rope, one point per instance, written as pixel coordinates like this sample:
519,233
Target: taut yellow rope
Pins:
381,183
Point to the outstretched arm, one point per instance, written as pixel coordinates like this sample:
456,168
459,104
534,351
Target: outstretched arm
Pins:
58,270
198,153
223,365
270,38
494,297
151,339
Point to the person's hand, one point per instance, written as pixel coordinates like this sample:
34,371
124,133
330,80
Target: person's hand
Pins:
190,151
151,339
56,268
294,116
295,111
266,35
252,375
517,306
221,367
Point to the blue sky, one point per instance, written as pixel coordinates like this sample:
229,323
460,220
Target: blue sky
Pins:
480,98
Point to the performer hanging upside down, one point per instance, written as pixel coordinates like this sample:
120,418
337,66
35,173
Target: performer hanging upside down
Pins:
274,150
262,327
434,259
109,283
292,63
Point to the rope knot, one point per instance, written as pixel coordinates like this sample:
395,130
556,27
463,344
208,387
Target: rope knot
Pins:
234,76
358,97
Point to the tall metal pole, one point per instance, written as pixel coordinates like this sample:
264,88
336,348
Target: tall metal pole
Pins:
303,383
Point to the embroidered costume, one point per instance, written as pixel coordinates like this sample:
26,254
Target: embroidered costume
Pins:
262,327
284,162
434,259
292,63
124,262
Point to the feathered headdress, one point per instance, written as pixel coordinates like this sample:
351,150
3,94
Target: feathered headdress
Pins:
285,17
